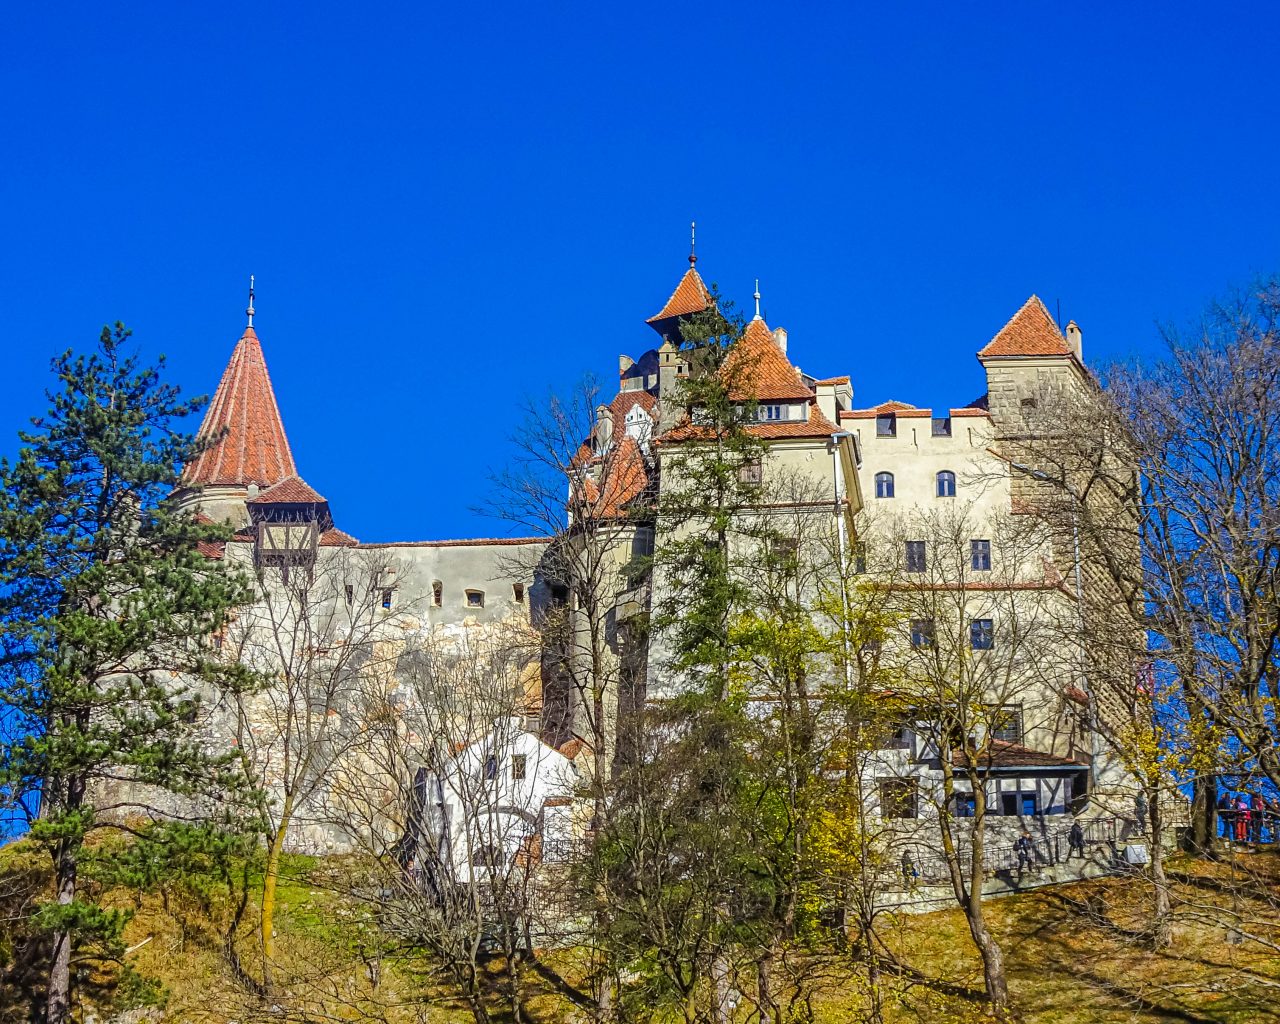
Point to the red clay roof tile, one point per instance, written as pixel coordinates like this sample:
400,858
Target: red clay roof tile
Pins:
1029,332
690,296
292,490
756,368
254,449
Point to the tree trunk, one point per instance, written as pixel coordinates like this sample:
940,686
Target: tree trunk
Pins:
270,877
58,1005
1204,814
1162,925
993,975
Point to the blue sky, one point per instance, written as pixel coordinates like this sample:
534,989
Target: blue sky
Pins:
449,208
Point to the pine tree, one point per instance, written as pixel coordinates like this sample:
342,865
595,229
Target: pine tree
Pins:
107,604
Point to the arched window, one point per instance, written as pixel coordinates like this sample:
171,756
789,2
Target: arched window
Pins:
884,485
946,484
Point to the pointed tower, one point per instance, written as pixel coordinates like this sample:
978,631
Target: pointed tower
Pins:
1028,357
252,452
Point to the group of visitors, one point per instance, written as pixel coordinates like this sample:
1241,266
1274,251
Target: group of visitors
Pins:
1249,817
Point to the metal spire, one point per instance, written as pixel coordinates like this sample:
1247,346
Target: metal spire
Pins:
693,240
757,297
249,311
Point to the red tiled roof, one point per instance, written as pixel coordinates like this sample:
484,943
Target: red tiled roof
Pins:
625,478
900,409
690,296
816,426
1014,755
213,550
1074,693
254,449
292,490
1029,332
573,746
335,538
833,380
756,368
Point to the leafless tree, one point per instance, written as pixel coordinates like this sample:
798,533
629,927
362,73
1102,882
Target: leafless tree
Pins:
454,862
317,634
975,659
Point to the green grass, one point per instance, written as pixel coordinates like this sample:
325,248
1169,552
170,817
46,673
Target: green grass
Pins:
1076,955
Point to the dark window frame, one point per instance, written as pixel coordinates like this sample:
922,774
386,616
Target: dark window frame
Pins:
982,634
945,483
916,558
884,484
980,555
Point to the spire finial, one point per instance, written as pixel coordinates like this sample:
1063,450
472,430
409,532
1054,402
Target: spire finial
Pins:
757,298
249,311
693,242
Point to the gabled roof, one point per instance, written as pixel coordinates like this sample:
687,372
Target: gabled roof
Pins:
1013,755
901,409
757,369
690,296
254,449
1030,332
625,478
292,490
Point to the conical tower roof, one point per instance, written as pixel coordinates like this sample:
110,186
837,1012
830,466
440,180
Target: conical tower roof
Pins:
1029,332
253,449
690,296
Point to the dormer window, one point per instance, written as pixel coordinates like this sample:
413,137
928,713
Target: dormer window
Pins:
773,412
886,425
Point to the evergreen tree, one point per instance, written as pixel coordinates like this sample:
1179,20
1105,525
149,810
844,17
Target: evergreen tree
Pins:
107,604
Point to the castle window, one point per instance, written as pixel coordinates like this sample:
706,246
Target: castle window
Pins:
980,555
946,484
942,426
1029,402
884,485
772,412
982,634
916,559
437,593
387,597
897,798
860,557
751,473
517,593
518,765
475,598
490,767
887,425
349,592
1006,725
921,633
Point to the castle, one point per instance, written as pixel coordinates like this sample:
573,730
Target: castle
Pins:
869,473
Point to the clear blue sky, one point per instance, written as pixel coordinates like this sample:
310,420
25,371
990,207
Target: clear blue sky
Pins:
448,207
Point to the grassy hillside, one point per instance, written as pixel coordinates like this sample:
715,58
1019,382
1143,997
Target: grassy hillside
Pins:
1075,954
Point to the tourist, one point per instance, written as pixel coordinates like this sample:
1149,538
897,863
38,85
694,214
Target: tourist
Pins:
1242,819
1075,841
1026,851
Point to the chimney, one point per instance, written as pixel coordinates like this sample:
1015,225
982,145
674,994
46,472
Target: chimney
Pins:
251,491
604,428
1075,340
668,380
780,339
625,363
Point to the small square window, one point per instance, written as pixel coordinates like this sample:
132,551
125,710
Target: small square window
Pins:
475,598
966,805
921,633
916,559
751,473
942,426
1006,725
518,766
886,425
898,798
980,553
517,593
982,634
